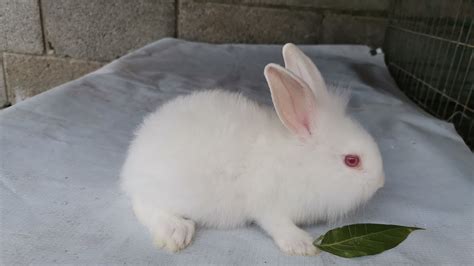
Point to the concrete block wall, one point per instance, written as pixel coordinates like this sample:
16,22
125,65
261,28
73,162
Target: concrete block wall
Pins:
44,43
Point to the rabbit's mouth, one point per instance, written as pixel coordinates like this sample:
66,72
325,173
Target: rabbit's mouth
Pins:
381,181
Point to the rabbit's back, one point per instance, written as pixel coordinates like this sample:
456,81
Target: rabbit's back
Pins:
190,156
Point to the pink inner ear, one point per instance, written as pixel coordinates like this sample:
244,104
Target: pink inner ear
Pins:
293,100
301,105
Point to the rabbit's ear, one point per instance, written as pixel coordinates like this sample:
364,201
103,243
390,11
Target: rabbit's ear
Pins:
302,66
293,99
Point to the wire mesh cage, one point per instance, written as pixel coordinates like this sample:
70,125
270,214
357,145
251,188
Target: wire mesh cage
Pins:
429,51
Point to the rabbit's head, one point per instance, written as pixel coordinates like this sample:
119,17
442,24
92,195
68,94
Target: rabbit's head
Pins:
342,153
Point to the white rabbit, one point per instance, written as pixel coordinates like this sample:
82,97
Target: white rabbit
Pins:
221,160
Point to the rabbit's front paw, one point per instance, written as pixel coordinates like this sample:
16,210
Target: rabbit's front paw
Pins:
297,245
173,233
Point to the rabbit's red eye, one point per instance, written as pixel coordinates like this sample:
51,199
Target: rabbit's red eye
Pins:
352,160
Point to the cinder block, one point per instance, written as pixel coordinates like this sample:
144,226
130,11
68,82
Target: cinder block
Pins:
366,5
20,26
28,75
3,90
353,30
224,23
104,29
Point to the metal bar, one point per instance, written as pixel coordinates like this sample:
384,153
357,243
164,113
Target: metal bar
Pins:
453,34
419,90
465,76
426,84
417,57
432,102
439,29
468,98
432,37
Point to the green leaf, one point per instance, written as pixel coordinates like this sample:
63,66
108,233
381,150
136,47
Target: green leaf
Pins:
358,240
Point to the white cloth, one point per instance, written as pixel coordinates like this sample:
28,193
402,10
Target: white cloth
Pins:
61,153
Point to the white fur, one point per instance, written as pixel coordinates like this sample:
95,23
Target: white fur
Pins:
221,160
